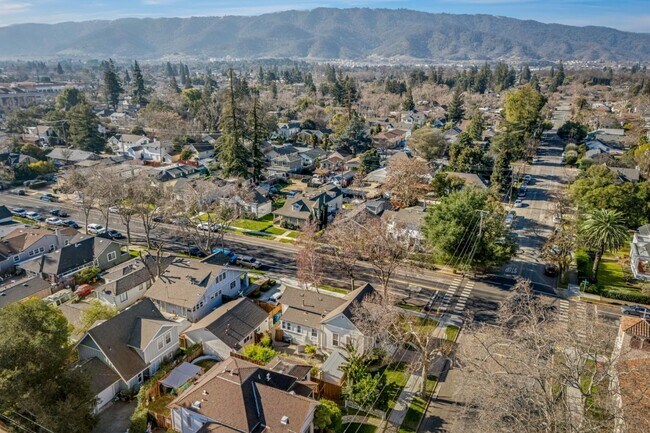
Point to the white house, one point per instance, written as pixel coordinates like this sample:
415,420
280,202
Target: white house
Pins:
23,244
124,351
191,288
640,253
325,321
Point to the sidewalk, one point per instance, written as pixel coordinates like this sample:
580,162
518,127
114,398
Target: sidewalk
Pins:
403,402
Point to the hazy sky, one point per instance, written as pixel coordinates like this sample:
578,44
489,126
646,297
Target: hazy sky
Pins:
632,15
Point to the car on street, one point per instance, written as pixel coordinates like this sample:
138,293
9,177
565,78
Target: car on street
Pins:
195,251
18,191
34,216
521,193
95,229
49,197
248,262
59,212
636,310
550,270
112,234
528,178
509,220
83,290
55,221
71,223
18,211
207,226
114,209
519,203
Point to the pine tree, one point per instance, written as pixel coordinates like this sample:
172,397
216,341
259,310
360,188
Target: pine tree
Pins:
188,77
257,133
559,78
455,110
274,90
112,86
139,90
525,74
169,71
476,126
59,69
552,71
83,129
181,71
408,104
232,153
127,77
499,178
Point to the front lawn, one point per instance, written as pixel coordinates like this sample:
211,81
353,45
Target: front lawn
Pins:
413,415
275,231
451,332
396,378
247,224
293,234
334,289
614,281
355,427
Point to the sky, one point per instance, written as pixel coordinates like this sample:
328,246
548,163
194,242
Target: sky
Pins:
629,15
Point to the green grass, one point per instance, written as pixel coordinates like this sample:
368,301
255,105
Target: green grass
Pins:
427,325
413,415
277,204
354,427
610,274
409,307
256,271
207,364
293,234
25,221
334,289
287,241
160,404
267,218
247,224
451,332
396,378
259,234
275,231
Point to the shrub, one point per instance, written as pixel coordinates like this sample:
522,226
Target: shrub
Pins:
257,352
87,275
266,340
571,157
138,423
310,350
571,146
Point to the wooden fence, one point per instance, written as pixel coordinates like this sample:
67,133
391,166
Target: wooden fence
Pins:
327,390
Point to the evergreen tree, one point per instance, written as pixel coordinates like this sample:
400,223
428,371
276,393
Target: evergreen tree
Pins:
260,75
552,71
232,152
181,71
59,69
83,129
370,161
112,86
127,77
274,90
408,104
525,74
139,90
188,77
500,171
257,134
482,79
173,85
559,78
476,126
169,71
455,110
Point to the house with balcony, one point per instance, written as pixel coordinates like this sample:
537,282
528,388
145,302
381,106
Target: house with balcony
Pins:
191,288
640,253
124,351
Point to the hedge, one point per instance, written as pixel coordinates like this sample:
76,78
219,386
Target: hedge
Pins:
628,297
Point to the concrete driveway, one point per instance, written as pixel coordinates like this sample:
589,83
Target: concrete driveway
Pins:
115,417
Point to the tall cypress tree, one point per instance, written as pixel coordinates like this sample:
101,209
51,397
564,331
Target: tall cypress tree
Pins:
112,86
257,133
169,71
139,91
232,152
408,104
455,110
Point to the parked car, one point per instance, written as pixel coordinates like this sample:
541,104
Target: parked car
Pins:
206,226
71,223
18,211
521,193
49,197
636,310
18,191
528,178
509,220
519,203
53,221
195,251
557,219
83,290
33,216
95,229
248,261
112,234
550,270
114,209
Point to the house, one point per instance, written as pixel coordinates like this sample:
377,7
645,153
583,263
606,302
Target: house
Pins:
175,171
390,139
625,174
229,328
202,150
312,156
287,130
5,215
124,351
413,117
127,283
452,134
26,243
255,204
81,252
326,321
406,222
43,134
336,160
237,396
608,136
121,143
153,152
63,156
470,179
282,165
17,290
275,151
300,209
192,288
640,253
377,207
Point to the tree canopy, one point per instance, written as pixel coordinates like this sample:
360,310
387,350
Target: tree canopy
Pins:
427,143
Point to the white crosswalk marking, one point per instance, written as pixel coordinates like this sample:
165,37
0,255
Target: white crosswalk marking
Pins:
581,308
464,296
563,311
449,293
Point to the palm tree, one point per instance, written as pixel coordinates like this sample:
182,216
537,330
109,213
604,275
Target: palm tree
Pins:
603,231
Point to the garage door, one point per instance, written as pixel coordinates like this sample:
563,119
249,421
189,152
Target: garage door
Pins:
106,396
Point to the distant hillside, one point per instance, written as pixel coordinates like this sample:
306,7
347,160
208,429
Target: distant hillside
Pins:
327,34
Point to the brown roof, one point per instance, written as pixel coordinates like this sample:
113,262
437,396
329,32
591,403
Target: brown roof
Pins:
641,328
634,383
310,301
243,396
353,298
21,239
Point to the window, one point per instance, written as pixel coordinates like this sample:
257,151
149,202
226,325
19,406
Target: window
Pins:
299,329
66,242
284,325
335,340
51,247
31,253
41,250
233,284
161,344
124,296
201,304
314,333
111,256
16,259
168,338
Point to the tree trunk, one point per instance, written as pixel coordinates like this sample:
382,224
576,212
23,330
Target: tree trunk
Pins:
352,280
128,231
425,373
594,270
86,220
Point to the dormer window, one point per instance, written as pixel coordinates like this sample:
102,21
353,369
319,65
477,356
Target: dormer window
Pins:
296,207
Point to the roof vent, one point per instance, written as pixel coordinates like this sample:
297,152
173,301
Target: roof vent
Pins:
268,377
284,420
196,405
205,392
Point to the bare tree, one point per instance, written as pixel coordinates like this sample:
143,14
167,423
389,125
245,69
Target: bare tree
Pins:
390,325
150,201
309,262
406,179
86,186
126,204
531,373
345,242
108,193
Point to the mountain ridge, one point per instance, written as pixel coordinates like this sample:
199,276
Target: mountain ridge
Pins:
326,33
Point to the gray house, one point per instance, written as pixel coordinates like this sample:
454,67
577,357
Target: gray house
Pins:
640,253
24,243
127,349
